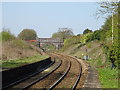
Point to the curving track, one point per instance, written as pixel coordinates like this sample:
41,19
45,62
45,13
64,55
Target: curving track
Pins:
73,76
64,73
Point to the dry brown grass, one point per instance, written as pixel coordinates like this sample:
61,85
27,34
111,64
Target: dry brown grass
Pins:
0,50
94,51
12,50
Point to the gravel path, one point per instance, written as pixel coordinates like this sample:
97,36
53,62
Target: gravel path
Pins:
92,80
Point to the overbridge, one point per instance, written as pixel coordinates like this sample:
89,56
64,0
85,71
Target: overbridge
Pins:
54,41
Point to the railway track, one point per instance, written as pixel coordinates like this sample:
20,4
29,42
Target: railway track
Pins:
73,75
69,78
29,76
39,76
52,78
64,73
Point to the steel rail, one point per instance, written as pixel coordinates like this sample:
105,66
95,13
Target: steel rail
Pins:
79,76
61,78
76,82
34,82
25,78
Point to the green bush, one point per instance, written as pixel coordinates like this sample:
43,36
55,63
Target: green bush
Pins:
49,47
97,35
112,53
72,40
27,34
6,36
87,31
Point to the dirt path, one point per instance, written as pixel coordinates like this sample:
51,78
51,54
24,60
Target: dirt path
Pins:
92,80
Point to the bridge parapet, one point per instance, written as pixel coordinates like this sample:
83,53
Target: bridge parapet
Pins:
55,41
50,40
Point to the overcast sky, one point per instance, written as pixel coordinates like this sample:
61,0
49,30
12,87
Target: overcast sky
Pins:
46,17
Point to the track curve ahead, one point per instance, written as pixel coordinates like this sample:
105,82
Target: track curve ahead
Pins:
64,73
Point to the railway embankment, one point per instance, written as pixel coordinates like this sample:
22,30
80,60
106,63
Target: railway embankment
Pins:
100,65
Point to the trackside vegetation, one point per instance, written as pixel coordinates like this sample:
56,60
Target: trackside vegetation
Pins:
104,36
17,52
5,35
22,61
108,78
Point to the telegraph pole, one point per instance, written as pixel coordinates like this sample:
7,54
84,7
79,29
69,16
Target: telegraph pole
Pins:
112,25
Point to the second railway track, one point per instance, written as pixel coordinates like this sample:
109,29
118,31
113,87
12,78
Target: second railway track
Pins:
64,73
53,77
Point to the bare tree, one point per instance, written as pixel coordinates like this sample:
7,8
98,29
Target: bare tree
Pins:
63,33
107,7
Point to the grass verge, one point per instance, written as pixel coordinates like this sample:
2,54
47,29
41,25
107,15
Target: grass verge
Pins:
21,61
108,78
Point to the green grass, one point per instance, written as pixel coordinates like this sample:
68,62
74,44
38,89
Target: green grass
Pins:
6,36
89,45
95,63
21,61
108,78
